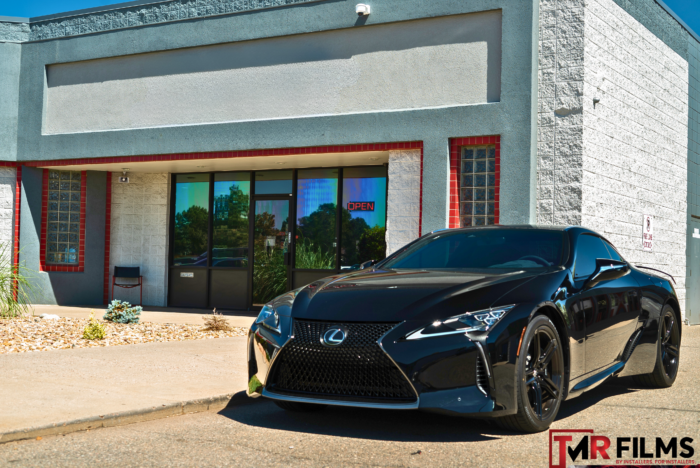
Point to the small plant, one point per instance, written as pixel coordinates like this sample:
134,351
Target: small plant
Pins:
94,330
122,312
15,288
216,322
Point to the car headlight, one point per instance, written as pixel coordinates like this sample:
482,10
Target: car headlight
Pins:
480,320
269,318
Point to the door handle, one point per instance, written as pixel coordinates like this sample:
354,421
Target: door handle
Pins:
286,258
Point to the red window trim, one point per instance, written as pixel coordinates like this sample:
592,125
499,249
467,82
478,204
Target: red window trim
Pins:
456,145
108,230
222,155
18,206
44,226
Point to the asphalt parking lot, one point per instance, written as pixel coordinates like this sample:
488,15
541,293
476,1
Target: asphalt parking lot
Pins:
258,433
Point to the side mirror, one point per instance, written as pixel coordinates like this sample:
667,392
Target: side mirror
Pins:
607,270
367,264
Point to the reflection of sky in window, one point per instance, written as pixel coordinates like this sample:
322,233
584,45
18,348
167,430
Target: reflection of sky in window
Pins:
191,194
313,193
278,208
367,190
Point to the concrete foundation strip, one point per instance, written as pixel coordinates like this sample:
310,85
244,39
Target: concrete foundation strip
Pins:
216,403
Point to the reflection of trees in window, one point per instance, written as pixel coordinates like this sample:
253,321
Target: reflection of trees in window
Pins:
269,272
315,245
360,241
231,224
191,228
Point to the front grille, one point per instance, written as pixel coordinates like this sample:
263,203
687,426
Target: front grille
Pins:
356,370
482,378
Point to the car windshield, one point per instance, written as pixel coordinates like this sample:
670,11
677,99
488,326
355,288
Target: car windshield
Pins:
509,249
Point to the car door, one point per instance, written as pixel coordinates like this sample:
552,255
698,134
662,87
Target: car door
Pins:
610,307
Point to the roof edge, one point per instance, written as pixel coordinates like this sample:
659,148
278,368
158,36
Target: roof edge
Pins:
678,19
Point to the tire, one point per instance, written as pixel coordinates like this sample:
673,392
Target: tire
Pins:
541,378
299,407
668,349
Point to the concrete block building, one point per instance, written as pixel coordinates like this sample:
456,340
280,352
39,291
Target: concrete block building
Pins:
234,149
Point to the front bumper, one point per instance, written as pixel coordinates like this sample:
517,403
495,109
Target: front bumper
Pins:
452,374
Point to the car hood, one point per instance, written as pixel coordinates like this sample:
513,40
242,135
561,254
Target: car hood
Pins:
398,295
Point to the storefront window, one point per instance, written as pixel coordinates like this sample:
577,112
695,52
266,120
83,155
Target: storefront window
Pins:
191,220
317,195
231,207
477,186
363,216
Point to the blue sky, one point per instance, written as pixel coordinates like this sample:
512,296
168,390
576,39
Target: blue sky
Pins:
688,10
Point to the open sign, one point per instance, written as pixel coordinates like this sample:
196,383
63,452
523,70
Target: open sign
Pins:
361,206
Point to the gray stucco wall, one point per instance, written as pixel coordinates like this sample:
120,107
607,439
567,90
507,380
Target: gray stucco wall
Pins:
84,288
10,58
511,117
447,61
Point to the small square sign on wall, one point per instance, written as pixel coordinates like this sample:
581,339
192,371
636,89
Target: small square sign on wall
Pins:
648,233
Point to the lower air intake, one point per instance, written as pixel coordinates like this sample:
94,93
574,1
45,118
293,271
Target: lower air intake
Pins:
356,370
482,378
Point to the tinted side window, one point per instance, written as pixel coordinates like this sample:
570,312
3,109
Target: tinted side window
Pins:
588,249
613,253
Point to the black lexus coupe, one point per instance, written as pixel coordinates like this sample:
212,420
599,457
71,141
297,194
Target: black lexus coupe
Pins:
499,321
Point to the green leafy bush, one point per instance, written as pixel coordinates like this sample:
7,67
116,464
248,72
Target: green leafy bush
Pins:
308,256
122,312
94,330
15,288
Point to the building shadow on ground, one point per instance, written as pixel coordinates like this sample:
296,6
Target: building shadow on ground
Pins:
395,425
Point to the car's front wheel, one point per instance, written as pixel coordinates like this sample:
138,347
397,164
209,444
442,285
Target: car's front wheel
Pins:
540,378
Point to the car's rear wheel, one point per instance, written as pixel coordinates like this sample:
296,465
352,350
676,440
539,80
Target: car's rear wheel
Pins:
299,407
540,378
667,352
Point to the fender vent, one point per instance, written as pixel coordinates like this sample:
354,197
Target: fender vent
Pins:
631,344
482,378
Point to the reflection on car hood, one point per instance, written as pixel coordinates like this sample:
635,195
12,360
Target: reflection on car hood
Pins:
397,295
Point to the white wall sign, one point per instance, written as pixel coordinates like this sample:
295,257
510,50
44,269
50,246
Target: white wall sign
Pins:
648,233
696,233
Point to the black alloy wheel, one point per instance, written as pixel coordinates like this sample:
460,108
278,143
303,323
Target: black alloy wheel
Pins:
667,353
540,377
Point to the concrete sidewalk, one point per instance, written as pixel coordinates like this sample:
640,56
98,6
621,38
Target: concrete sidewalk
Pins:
153,314
54,392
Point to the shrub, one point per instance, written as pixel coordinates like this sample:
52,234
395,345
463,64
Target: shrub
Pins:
15,288
94,330
122,312
309,256
216,322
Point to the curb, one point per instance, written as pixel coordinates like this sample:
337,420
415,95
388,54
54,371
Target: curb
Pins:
216,403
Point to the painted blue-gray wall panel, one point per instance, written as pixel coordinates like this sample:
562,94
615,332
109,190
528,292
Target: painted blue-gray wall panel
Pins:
378,68
64,288
10,59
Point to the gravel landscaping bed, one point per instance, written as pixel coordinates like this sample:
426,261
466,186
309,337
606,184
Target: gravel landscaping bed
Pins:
35,334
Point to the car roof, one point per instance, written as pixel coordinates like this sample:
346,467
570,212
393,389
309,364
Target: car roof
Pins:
517,226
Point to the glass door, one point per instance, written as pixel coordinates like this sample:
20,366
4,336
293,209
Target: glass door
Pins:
271,257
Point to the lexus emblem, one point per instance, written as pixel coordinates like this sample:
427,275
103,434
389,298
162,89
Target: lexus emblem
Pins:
334,336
